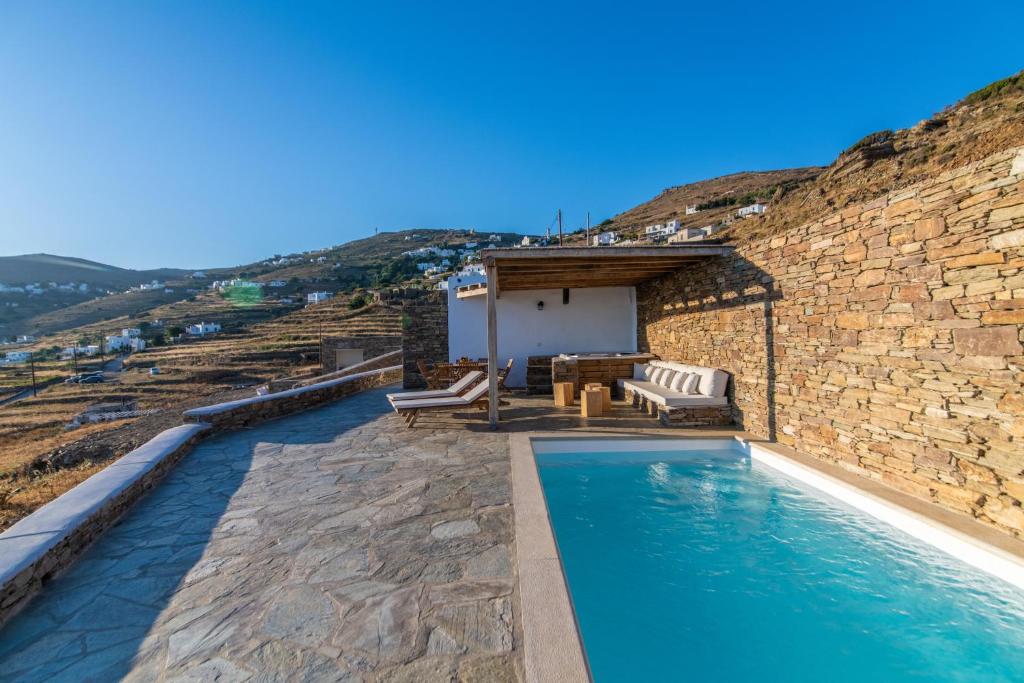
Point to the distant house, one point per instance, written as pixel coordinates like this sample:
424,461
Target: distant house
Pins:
79,351
202,329
131,332
276,283
605,239
198,275
317,297
687,234
692,209
25,339
662,229
525,242
137,344
116,342
17,356
424,267
752,210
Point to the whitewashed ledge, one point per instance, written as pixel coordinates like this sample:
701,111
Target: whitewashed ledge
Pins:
247,411
49,540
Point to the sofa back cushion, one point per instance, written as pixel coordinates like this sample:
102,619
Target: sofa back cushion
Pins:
690,385
677,381
668,377
638,371
712,382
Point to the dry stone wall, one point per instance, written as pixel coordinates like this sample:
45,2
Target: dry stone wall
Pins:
886,337
424,335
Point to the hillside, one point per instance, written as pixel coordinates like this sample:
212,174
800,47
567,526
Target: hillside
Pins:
984,122
29,268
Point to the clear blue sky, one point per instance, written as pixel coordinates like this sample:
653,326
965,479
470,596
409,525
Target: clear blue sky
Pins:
212,133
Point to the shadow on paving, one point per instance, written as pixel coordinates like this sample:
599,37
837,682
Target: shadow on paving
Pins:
91,623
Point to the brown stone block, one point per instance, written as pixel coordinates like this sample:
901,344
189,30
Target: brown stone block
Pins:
929,228
1006,317
990,341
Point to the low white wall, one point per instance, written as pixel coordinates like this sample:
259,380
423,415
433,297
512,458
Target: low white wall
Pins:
596,319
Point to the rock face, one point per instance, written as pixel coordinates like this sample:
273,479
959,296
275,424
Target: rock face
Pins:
330,545
887,337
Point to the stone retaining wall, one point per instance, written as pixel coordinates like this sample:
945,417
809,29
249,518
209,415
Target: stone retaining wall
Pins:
49,540
249,411
424,335
887,337
380,362
372,347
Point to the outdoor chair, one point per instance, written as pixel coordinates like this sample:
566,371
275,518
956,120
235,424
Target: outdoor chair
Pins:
410,410
454,390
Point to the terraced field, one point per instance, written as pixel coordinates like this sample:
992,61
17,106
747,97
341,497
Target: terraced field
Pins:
39,458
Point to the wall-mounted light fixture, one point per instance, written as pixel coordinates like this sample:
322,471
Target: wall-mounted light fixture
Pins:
540,305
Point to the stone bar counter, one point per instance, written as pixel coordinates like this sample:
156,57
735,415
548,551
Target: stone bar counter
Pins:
603,368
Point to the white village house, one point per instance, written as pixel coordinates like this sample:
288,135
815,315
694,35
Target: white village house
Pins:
202,329
318,297
604,239
752,210
17,356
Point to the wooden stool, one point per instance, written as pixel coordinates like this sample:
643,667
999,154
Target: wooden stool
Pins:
590,403
564,393
606,395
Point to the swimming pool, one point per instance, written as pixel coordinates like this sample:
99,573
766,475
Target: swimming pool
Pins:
693,562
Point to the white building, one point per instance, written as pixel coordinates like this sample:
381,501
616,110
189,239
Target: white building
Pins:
202,329
662,229
116,342
692,209
424,267
687,234
536,322
131,332
17,356
198,275
79,351
752,210
277,283
317,297
25,339
137,344
605,239
525,242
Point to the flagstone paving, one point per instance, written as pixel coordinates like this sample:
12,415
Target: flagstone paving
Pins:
332,545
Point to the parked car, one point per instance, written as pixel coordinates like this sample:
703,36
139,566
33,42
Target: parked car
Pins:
77,379
92,379
154,371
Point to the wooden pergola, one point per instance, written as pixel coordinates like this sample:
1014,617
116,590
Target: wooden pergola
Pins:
575,268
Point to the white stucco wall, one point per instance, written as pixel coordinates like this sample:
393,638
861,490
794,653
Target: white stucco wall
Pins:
597,319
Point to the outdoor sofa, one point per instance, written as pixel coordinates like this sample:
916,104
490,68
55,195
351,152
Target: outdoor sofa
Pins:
679,394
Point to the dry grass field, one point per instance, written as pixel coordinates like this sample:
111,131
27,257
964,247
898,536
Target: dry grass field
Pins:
40,458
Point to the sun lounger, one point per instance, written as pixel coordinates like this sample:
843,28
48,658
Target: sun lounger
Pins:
410,410
454,390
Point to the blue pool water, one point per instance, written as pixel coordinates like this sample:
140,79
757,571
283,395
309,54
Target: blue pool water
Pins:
701,566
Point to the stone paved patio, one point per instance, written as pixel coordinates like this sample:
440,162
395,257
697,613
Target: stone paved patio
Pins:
333,545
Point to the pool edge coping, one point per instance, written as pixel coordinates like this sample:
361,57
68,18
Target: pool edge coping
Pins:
553,646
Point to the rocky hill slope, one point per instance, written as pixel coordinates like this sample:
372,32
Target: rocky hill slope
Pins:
984,122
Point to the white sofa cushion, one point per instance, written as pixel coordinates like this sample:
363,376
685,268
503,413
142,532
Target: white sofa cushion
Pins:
677,381
671,399
648,372
713,382
668,378
639,371
657,374
690,385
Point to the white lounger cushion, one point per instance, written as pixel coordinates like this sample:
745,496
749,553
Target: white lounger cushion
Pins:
668,378
467,399
672,399
453,390
690,385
